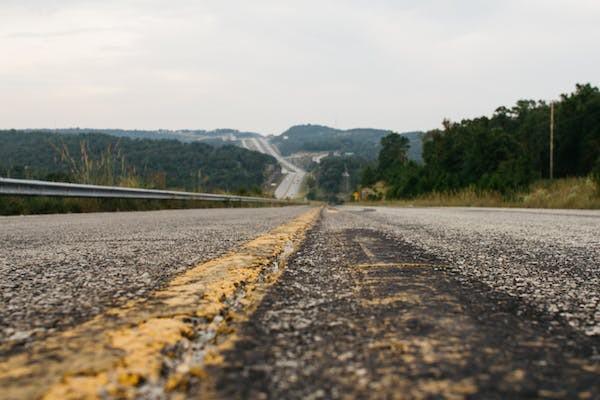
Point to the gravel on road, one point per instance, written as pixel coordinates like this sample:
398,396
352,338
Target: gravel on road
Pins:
59,270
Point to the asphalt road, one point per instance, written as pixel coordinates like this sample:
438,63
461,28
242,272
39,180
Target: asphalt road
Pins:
416,303
427,304
292,181
549,258
59,270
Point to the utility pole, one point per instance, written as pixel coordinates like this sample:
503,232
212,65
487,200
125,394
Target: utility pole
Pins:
346,180
551,140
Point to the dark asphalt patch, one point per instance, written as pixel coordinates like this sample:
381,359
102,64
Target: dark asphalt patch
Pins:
358,314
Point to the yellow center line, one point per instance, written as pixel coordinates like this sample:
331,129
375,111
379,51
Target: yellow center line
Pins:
124,347
397,265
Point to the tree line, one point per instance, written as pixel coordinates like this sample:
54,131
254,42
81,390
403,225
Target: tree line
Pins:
103,159
505,152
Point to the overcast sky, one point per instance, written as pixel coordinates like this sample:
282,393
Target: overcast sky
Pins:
265,65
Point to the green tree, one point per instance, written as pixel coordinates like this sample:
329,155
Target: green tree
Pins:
504,152
393,153
368,176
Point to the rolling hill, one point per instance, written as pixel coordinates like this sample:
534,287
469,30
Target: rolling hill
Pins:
362,142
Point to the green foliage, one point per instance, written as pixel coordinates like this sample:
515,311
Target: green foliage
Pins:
393,154
504,153
99,158
311,186
368,175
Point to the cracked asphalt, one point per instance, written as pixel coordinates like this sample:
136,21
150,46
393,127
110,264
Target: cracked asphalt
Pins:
60,270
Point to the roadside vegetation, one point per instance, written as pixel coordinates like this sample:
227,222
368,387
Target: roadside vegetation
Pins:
105,160
108,160
498,161
574,193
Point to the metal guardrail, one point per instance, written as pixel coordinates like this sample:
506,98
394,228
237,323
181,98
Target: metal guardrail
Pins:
23,187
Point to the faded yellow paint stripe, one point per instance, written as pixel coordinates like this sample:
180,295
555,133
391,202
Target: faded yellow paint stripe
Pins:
126,346
397,265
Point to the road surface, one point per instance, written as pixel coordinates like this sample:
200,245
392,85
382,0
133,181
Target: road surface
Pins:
407,303
428,303
289,188
59,270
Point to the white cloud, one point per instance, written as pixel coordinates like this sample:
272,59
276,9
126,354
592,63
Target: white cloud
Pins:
264,65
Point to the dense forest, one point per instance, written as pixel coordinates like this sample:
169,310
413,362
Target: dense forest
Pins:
103,159
364,143
505,152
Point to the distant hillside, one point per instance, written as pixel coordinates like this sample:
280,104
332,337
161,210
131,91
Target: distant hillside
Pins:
361,142
302,138
217,136
156,163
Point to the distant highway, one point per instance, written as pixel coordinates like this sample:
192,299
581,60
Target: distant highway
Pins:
289,188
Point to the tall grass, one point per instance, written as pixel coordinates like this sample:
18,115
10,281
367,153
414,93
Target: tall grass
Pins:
563,193
573,193
109,168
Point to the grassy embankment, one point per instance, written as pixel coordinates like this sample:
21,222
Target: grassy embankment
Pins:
573,193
